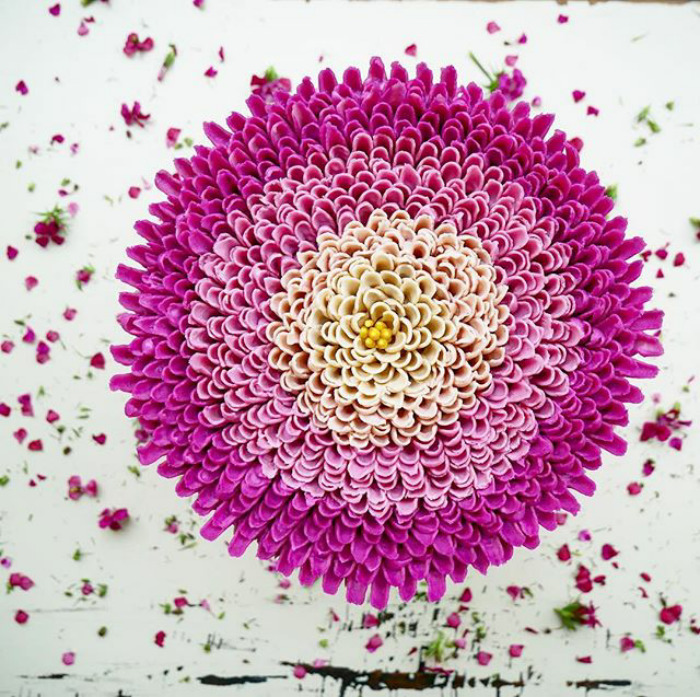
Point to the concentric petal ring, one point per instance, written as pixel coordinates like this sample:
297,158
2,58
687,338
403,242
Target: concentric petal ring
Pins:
383,328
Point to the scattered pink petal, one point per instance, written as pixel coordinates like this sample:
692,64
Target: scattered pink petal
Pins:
562,19
83,29
374,643
453,620
12,252
134,191
22,88
5,409
676,443
171,136
21,617
515,650
563,553
18,580
492,27
98,361
134,45
578,95
483,658
55,10
626,644
20,434
679,259
52,416
584,659
592,111
69,314
68,658
608,552
511,61
31,282
100,438
299,672
222,56
466,596
29,336
159,639
113,518
585,536
198,3
671,614
211,72
537,101
7,346
522,39
634,488
83,276
25,402
369,620
134,116
36,446
411,50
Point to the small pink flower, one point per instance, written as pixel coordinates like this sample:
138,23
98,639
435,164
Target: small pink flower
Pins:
171,136
671,614
43,352
21,617
55,10
159,639
134,191
583,579
562,19
374,643
299,672
134,45
515,650
75,489
634,488
134,116
483,658
52,226
592,111
25,402
211,71
87,588
411,50
268,84
578,95
608,552
453,620
12,252
22,88
492,27
98,361
563,553
113,518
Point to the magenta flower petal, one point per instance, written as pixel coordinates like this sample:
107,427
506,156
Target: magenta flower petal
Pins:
383,328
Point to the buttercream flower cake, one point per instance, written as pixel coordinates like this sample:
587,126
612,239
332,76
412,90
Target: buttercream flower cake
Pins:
383,329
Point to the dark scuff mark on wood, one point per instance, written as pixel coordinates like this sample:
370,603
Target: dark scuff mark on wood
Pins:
418,680
589,685
221,681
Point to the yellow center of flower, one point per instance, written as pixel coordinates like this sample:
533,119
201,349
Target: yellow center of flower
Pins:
375,334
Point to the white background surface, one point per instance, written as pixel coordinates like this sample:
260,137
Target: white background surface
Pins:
624,56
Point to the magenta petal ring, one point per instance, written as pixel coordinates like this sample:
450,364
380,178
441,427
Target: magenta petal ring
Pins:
383,328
